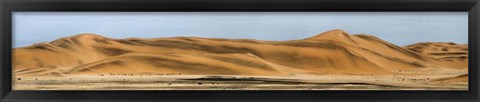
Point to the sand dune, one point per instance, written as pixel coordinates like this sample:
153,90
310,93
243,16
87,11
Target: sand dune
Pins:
330,60
331,52
454,54
225,64
461,79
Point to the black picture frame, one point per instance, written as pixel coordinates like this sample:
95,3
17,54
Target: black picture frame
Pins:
8,6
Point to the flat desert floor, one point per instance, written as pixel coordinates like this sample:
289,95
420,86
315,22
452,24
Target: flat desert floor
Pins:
197,82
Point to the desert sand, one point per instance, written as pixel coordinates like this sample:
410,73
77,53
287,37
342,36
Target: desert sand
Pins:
333,60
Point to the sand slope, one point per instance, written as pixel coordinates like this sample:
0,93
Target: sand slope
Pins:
331,52
454,54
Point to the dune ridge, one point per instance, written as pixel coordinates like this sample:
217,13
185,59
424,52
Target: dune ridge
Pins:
332,52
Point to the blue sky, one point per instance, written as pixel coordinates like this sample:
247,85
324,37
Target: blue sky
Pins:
401,28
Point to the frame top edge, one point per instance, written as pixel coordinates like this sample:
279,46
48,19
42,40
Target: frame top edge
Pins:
320,1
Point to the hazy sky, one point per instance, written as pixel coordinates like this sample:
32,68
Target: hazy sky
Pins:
401,28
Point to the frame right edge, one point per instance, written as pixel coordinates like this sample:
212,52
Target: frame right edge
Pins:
473,30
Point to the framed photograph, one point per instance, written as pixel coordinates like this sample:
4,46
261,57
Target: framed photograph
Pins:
234,50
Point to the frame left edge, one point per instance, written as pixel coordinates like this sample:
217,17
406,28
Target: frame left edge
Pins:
5,86
2,93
